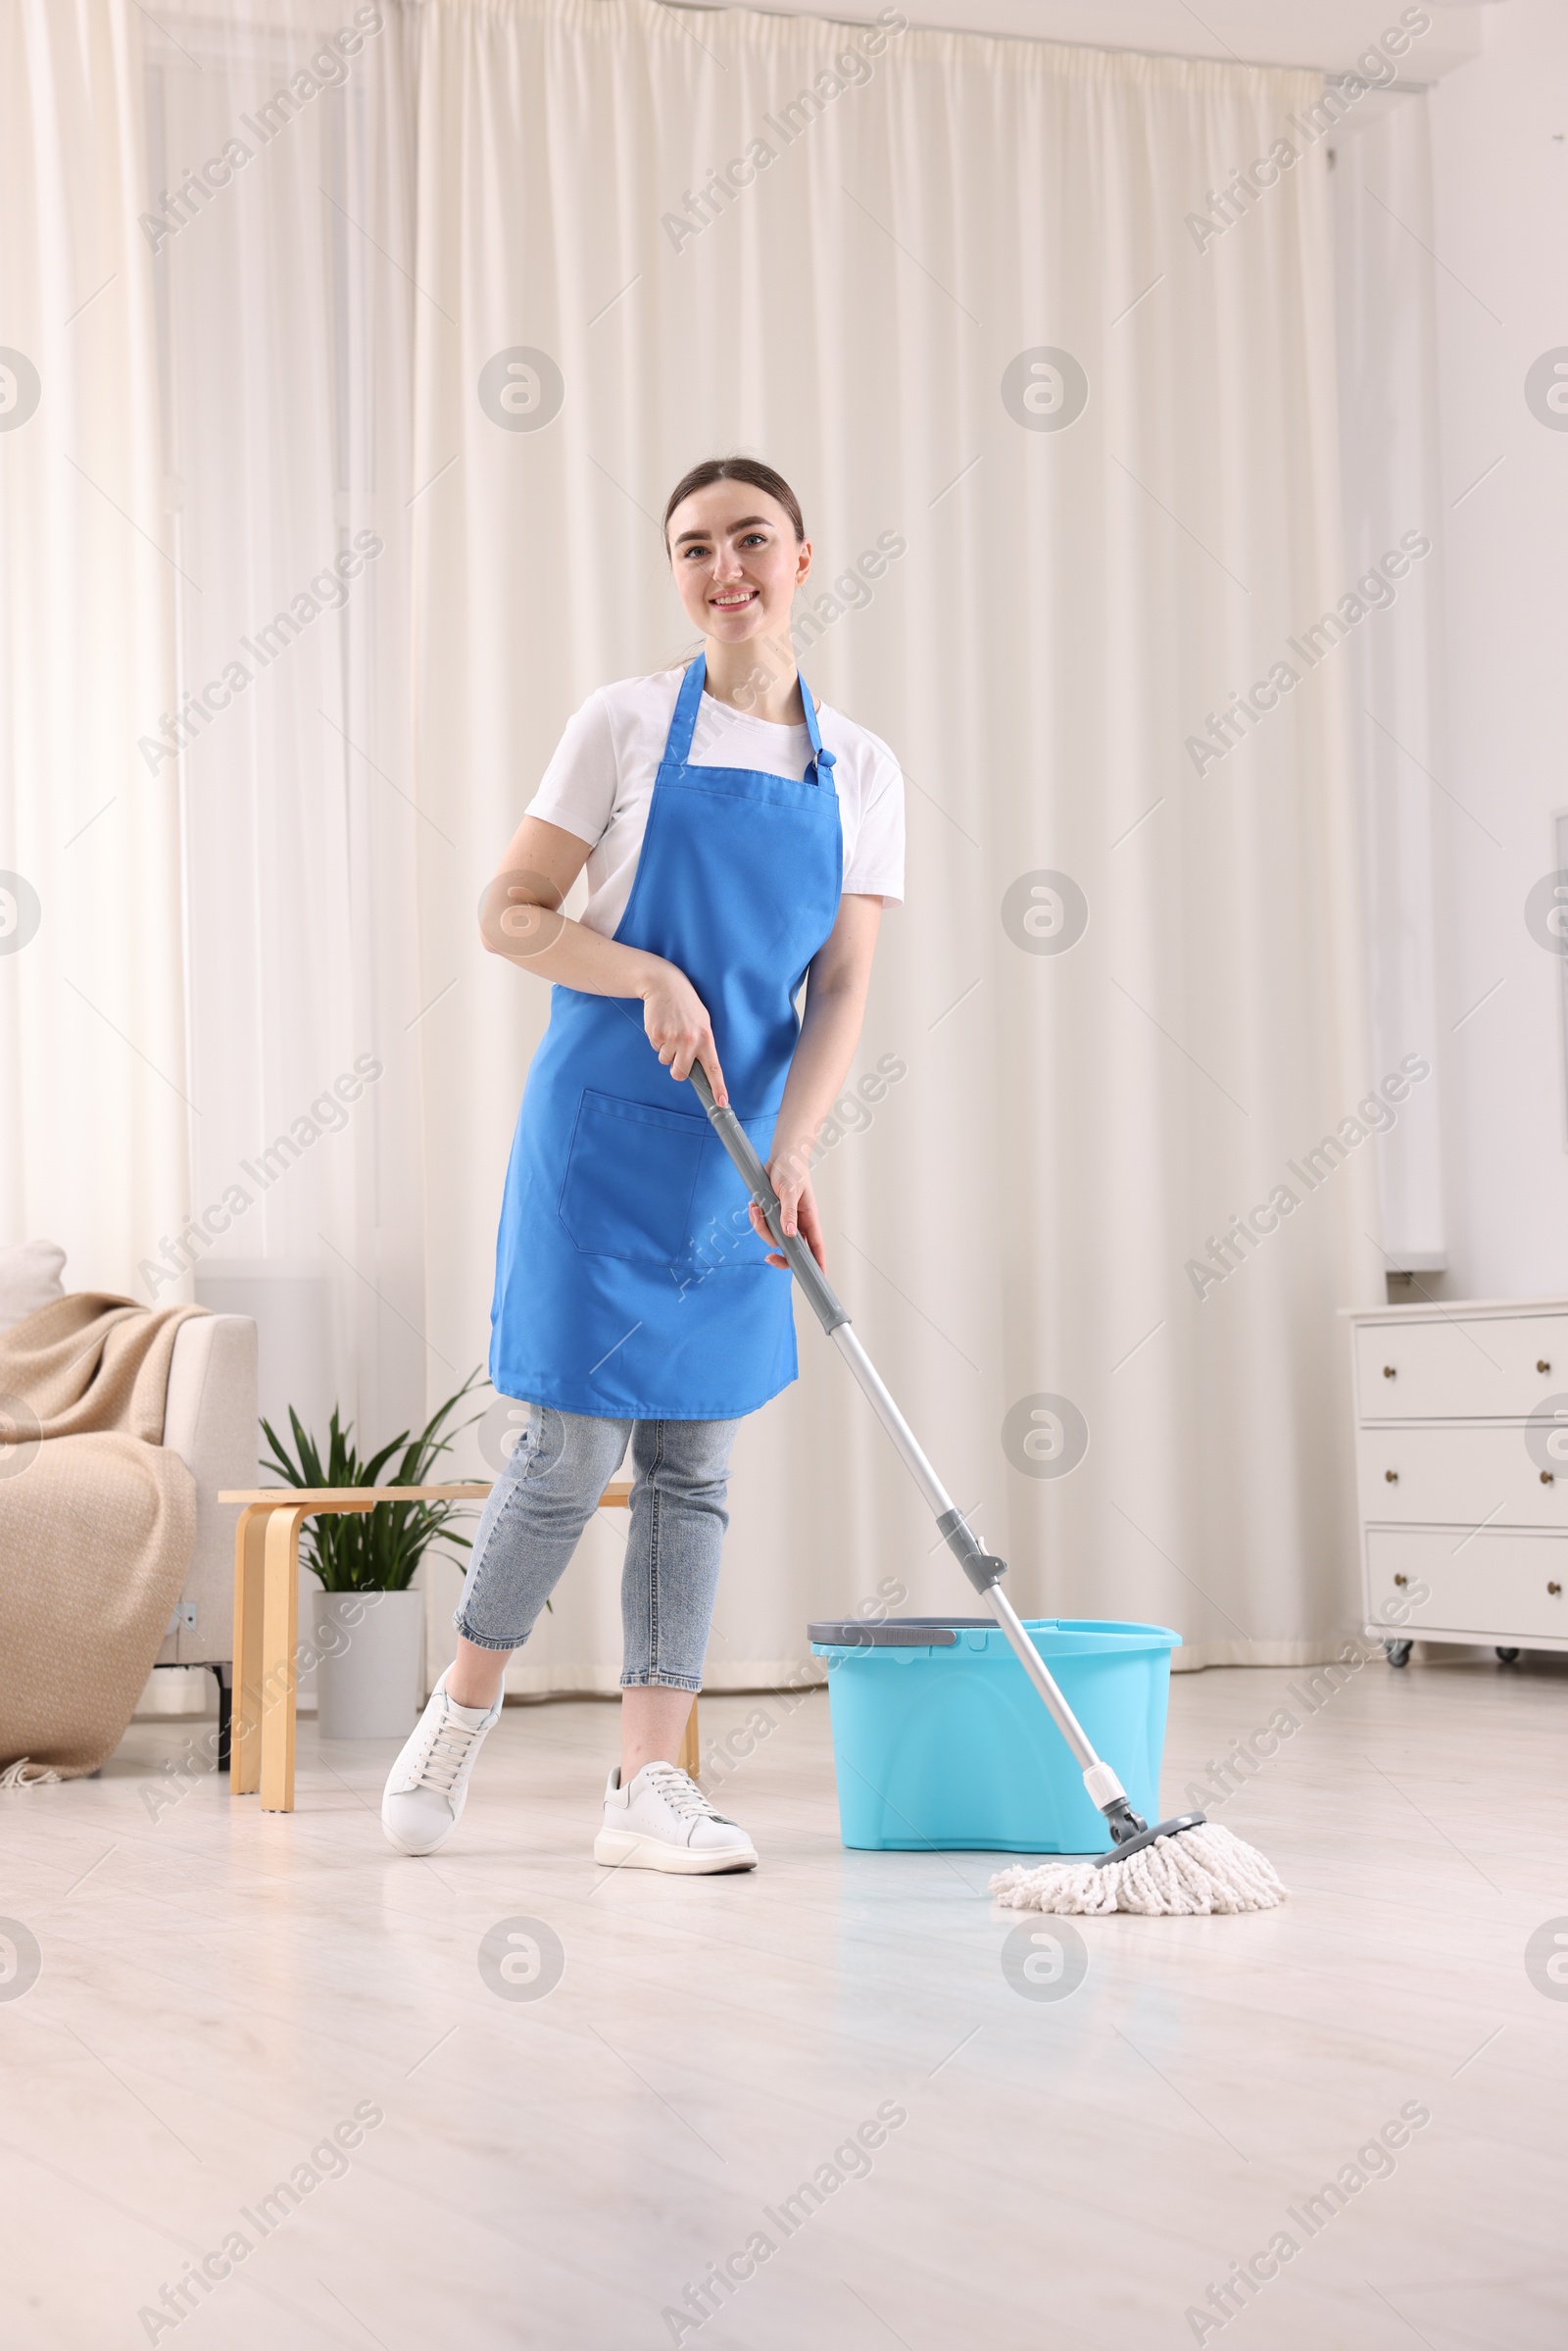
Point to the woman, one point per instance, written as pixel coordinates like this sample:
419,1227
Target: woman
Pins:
738,839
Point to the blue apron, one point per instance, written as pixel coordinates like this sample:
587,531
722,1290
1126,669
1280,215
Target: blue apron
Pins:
629,1283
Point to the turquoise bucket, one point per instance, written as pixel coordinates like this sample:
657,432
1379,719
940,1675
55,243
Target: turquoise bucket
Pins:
941,1743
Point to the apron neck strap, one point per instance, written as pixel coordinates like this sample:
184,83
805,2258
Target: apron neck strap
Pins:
678,747
682,726
821,761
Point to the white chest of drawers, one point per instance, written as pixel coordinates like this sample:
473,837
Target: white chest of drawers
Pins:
1461,1447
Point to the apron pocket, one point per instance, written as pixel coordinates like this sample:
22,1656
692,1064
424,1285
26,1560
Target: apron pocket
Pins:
719,1236
630,1175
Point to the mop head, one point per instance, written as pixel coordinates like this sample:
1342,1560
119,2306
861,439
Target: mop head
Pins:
1189,1875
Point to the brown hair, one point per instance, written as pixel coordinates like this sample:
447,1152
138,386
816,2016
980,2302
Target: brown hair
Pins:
737,468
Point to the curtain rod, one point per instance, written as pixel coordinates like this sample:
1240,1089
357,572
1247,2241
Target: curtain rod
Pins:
1037,40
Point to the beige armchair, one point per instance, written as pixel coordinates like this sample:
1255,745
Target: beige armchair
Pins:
209,1420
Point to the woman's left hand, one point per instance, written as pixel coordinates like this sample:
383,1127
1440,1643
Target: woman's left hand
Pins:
790,1178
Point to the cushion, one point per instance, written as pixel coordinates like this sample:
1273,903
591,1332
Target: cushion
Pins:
29,1278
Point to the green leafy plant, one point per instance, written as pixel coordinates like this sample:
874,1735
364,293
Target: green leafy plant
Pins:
373,1551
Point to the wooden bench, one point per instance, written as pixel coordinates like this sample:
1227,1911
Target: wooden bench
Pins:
267,1582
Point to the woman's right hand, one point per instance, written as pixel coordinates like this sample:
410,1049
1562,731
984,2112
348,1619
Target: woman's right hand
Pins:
679,1027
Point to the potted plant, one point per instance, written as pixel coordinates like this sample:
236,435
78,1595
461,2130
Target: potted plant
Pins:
370,1626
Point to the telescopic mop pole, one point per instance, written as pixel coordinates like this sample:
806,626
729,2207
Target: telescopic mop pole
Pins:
983,1568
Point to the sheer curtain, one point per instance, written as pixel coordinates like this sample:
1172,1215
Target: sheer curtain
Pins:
279,176
1387,313
341,492
94,1072
1069,458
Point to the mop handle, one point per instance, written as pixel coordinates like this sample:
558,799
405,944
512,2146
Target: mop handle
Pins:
829,1313
982,1567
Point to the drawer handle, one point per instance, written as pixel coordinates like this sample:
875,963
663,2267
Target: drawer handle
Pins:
1540,1366
1391,1477
1549,1477
1389,1372
1556,1589
1402,1578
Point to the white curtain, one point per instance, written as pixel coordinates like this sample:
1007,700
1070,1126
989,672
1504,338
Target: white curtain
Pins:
282,129
1063,419
1071,597
94,1073
1391,482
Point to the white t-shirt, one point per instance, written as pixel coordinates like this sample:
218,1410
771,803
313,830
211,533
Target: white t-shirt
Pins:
600,784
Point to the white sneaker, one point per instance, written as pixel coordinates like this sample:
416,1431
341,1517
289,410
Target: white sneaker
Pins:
663,1822
427,1787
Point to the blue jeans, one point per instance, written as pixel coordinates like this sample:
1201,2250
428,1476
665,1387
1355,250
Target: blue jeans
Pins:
545,1496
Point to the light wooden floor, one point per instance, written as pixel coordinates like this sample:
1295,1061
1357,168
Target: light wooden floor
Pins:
220,1987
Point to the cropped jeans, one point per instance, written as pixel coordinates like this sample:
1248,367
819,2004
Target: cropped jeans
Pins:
545,1496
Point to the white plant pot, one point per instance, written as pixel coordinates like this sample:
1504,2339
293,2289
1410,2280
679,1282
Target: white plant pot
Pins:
369,1648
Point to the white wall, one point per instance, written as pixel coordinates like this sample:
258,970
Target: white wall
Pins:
1500,179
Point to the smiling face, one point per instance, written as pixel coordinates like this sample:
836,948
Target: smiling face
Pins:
736,561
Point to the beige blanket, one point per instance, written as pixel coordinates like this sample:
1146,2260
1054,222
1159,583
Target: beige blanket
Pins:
97,1520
